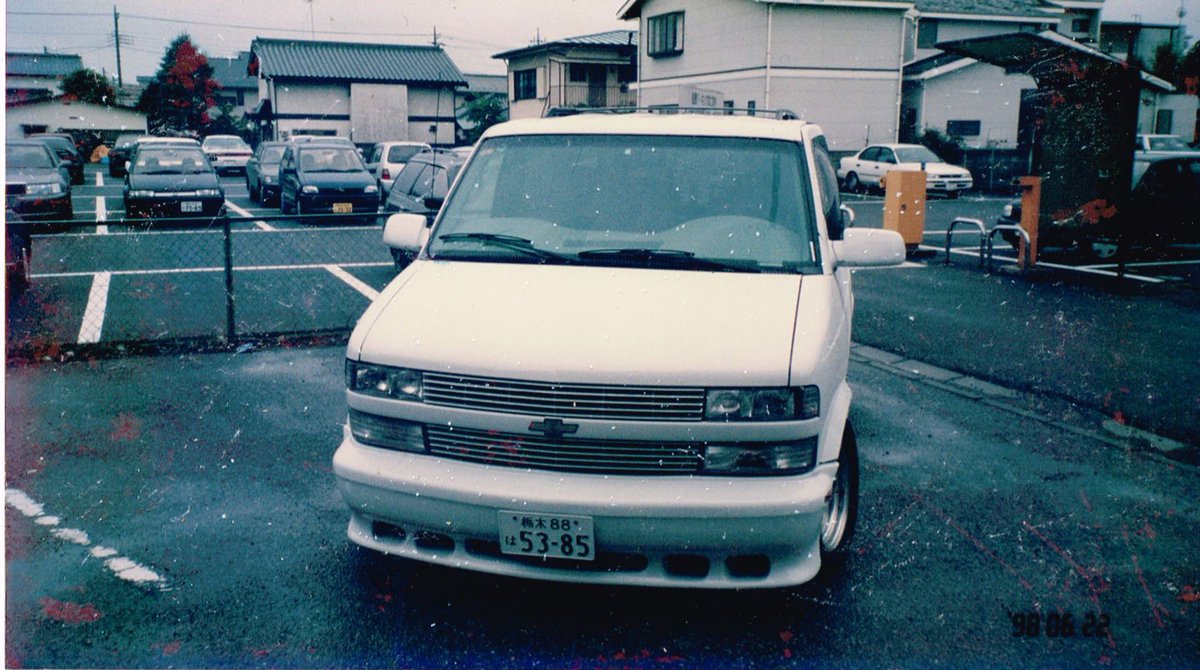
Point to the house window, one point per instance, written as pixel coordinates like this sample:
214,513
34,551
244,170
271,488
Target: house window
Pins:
927,34
626,73
577,72
751,107
1081,25
525,84
666,34
1164,121
963,128
728,107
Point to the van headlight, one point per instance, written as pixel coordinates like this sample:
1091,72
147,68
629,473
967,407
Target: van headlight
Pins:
371,188
141,194
384,382
769,458
209,193
1008,211
309,188
763,404
386,432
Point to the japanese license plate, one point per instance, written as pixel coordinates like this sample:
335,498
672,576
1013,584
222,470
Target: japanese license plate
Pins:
190,206
343,207
547,535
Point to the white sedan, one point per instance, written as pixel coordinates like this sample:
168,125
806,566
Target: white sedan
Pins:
867,168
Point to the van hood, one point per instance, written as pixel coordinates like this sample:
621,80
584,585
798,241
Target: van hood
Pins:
585,324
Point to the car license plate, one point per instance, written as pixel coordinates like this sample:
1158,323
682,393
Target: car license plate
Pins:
190,206
343,207
547,535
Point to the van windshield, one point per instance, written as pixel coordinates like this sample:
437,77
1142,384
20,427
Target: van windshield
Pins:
703,203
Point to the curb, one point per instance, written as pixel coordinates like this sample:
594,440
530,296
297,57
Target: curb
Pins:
999,397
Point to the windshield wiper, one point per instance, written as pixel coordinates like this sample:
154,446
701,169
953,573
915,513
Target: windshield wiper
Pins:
670,258
510,242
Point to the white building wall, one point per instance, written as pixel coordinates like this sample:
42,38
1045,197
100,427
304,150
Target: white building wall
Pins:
70,116
852,93
959,29
529,108
312,99
378,112
426,109
978,92
1183,113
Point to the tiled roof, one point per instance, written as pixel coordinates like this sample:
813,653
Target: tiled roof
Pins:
41,64
612,38
1017,8
487,83
397,63
231,72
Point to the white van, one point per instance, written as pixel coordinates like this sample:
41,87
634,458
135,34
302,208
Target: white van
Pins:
619,357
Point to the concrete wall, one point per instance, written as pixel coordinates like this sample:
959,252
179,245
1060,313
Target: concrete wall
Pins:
71,116
978,92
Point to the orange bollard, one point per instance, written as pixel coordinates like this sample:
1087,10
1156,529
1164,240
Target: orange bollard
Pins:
1031,205
904,206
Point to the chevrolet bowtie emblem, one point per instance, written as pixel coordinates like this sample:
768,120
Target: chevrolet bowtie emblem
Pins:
554,429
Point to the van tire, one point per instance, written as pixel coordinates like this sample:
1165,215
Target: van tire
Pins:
841,511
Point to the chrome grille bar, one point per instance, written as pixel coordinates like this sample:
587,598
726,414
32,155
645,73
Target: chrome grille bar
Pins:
506,449
594,401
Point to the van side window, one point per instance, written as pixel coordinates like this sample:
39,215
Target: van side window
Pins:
827,179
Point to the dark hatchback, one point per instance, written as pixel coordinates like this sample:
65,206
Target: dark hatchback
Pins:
326,178
36,186
121,152
172,181
262,171
1162,209
422,185
64,147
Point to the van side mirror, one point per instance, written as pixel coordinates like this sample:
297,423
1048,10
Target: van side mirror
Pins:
869,248
405,232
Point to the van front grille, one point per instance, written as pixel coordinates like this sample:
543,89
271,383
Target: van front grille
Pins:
590,456
590,401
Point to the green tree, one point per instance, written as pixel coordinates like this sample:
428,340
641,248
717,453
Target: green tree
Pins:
225,122
1189,70
182,91
480,113
89,86
1167,63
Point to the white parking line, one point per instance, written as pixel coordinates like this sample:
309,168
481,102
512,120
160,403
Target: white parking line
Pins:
261,224
101,213
93,315
99,179
1146,264
354,282
973,252
215,268
350,280
120,566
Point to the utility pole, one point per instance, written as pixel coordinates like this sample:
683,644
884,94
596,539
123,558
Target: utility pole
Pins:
117,44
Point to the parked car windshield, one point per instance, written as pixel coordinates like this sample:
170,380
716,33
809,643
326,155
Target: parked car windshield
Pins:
401,153
169,160
224,143
330,159
18,156
702,203
917,155
271,155
1168,143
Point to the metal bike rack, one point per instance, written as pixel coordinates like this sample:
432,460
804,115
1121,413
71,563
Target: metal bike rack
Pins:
965,221
1002,228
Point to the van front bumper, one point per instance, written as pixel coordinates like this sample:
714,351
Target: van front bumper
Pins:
678,531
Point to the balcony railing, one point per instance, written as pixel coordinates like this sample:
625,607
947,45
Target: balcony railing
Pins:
586,95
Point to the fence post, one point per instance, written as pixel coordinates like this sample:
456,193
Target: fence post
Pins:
230,333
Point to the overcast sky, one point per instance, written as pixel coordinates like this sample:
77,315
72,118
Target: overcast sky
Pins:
471,30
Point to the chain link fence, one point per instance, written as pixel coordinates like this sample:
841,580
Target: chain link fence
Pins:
188,283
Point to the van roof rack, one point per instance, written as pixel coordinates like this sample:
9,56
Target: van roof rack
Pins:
781,114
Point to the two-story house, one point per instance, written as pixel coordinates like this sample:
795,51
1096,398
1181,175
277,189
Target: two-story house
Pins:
36,76
366,92
980,104
238,88
586,71
835,62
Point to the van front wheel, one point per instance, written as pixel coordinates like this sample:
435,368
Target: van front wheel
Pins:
841,507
